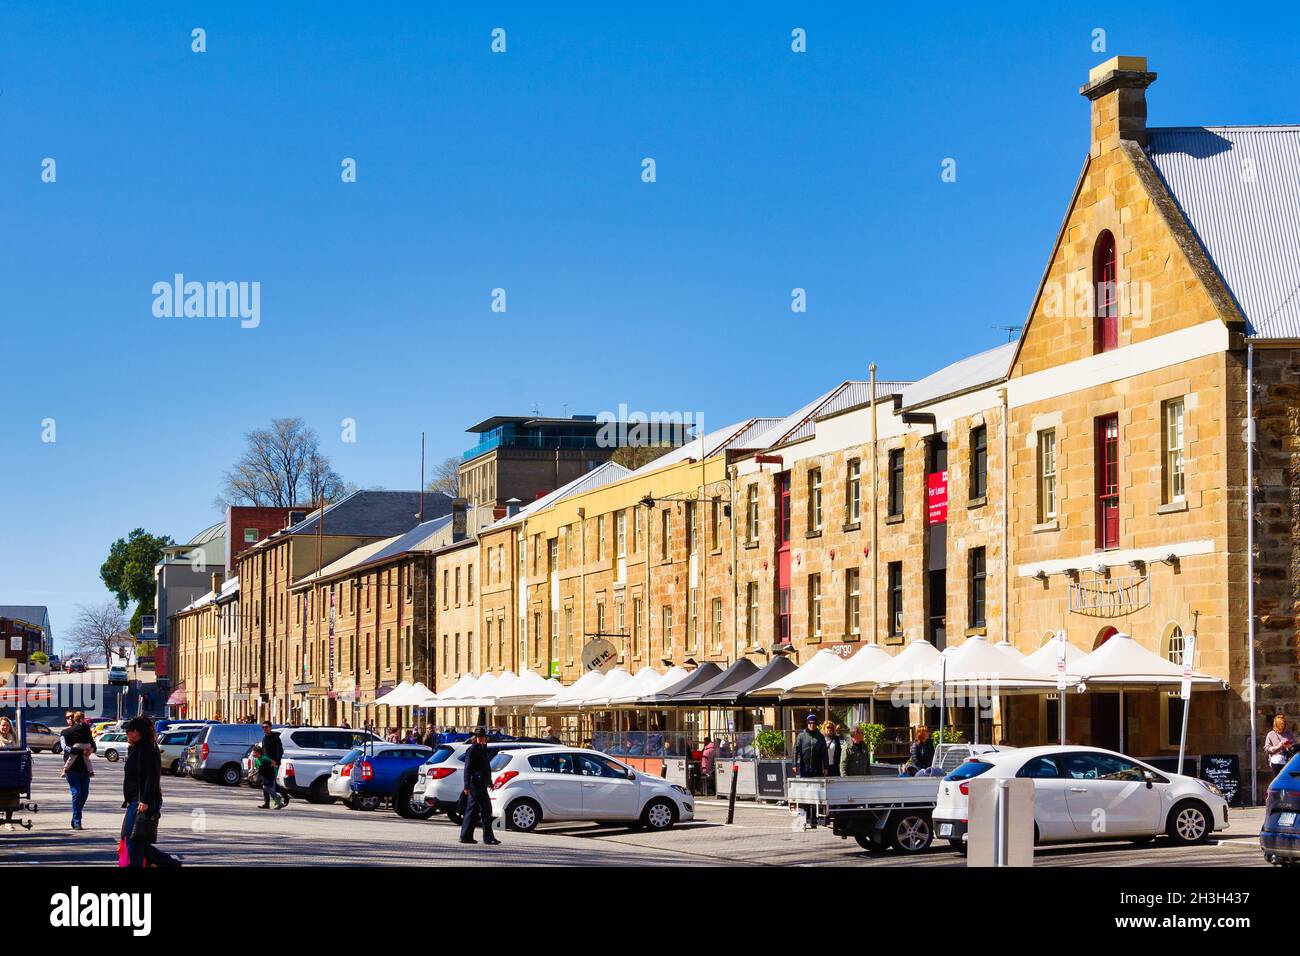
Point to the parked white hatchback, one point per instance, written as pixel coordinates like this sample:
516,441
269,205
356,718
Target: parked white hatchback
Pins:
563,783
1086,793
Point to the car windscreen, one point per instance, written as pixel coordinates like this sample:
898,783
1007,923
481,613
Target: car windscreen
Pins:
971,768
351,756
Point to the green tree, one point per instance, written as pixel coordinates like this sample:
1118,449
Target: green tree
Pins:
128,572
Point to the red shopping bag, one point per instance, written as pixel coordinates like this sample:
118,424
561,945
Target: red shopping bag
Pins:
123,857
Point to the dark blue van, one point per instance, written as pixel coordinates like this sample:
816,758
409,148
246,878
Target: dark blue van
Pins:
1280,836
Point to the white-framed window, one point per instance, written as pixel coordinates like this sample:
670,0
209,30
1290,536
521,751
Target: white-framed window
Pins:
853,493
668,629
693,620
692,528
815,605
636,627
620,530
1047,475
1175,488
852,602
814,499
717,624
666,534
751,622
751,514
600,538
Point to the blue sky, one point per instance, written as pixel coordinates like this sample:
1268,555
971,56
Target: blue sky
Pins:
521,171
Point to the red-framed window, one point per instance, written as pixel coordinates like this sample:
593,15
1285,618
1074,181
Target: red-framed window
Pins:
1107,465
1106,327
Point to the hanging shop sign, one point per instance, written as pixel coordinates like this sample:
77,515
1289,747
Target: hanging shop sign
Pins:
598,654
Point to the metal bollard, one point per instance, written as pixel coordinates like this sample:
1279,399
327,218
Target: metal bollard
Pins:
731,801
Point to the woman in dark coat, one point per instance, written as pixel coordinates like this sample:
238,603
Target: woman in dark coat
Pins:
142,791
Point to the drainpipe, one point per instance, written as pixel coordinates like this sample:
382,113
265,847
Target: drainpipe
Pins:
1006,540
875,502
1250,559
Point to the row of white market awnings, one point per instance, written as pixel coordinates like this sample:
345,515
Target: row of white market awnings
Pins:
974,665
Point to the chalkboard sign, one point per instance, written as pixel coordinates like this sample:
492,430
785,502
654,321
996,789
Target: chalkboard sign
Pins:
1224,771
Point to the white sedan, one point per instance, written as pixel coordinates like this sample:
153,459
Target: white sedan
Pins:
562,783
112,746
1086,793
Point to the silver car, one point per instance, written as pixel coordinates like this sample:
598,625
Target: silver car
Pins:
41,738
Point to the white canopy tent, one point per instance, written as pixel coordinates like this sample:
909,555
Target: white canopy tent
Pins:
911,663
528,688
645,681
614,682
482,694
1121,664
462,688
397,696
1044,659
568,697
813,678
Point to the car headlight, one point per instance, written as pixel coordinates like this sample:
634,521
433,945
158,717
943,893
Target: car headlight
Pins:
680,789
1212,788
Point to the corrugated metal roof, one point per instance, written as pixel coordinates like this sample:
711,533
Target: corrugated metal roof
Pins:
715,441
1238,187
852,395
780,431
605,474
964,375
373,512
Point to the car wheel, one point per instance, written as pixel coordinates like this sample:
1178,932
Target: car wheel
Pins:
1189,823
867,843
523,815
659,814
111,756
231,775
56,749
910,832
455,816
958,845
175,768
319,793
410,807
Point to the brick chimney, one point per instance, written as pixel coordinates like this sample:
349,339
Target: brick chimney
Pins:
459,509
217,579
1118,91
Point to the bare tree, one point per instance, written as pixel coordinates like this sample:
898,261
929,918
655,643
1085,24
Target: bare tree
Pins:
446,477
100,630
282,466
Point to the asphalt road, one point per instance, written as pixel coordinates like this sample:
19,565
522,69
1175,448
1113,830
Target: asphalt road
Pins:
208,824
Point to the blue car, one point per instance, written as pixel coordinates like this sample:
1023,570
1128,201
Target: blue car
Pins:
382,772
1280,836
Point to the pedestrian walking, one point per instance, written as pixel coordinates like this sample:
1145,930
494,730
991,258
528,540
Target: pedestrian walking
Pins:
77,742
142,791
478,777
834,748
9,799
1279,744
856,759
810,761
431,736
273,748
265,770
550,736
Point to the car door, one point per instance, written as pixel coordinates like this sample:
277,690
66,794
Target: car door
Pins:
1108,796
555,780
1051,809
607,793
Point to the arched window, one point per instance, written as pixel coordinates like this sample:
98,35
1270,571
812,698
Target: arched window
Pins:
1106,323
1104,635
1048,637
1173,642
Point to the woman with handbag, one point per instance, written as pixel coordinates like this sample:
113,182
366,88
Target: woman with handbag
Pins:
142,790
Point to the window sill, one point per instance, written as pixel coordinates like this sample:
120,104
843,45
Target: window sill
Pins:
977,632
1053,525
1174,507
893,519
979,502
851,526
813,534
750,544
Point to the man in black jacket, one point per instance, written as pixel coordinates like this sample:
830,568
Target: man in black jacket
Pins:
810,760
272,748
478,778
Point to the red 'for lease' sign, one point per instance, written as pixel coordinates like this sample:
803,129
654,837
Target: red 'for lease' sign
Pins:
936,497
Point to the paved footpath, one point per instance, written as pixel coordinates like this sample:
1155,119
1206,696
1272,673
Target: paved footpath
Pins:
208,824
